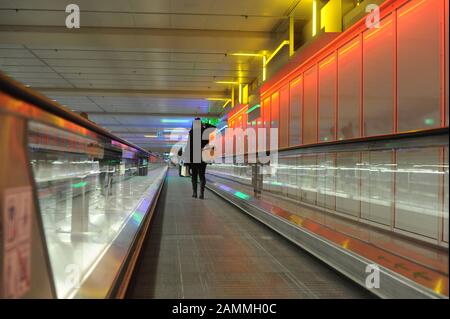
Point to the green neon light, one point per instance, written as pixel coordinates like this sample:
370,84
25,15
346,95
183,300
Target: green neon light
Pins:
211,121
254,107
241,195
429,121
79,185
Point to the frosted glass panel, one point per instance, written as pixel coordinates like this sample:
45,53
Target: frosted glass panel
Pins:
347,183
308,179
310,107
445,218
376,186
417,191
378,79
419,65
349,91
327,98
326,181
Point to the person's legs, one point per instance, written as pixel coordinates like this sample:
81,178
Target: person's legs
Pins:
194,173
201,172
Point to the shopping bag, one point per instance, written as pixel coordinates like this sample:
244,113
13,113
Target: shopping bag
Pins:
185,171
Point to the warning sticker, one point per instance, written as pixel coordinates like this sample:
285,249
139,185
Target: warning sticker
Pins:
16,271
16,222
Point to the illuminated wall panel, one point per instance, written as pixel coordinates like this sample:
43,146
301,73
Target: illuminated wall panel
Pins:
327,98
284,117
310,107
349,91
419,64
378,75
296,112
266,119
275,111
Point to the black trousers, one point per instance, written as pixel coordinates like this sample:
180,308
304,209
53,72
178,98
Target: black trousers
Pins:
198,170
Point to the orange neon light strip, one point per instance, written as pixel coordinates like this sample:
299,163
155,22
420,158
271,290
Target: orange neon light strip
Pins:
412,8
297,81
349,48
377,30
237,113
324,64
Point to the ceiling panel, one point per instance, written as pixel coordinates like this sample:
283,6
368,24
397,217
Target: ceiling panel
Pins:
117,61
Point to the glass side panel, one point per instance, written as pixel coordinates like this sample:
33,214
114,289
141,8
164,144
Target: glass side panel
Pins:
417,205
377,186
384,201
86,188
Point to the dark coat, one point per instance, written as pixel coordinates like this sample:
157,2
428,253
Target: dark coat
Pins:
190,144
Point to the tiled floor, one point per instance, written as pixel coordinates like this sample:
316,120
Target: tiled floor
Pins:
210,249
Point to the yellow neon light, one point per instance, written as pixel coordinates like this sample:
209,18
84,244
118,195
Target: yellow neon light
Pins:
217,99
151,136
245,94
412,8
331,16
282,44
297,81
264,68
246,54
314,18
291,35
226,103
377,30
240,93
227,82
349,48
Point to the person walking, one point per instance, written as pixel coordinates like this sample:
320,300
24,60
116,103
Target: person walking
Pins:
193,155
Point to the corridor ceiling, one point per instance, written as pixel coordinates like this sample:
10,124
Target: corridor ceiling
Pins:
134,64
